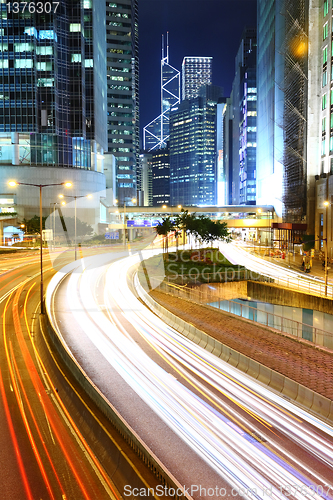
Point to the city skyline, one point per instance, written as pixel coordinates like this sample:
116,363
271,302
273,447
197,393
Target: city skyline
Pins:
217,40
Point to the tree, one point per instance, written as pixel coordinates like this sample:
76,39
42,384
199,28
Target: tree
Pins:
163,229
182,221
32,226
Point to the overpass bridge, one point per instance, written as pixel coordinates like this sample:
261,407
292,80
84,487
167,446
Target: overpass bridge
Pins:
236,216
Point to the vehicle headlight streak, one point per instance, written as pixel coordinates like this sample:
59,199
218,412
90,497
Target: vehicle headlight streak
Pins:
289,277
213,436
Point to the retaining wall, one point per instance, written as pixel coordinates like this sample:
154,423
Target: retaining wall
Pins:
311,400
267,292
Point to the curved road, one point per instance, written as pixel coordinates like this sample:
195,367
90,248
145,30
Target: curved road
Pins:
43,454
245,438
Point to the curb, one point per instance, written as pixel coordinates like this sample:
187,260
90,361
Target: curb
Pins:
286,387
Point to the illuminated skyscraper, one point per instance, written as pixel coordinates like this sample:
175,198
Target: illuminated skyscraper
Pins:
196,71
52,95
282,82
51,67
193,148
156,133
122,31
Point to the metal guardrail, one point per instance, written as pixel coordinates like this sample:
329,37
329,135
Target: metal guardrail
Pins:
316,336
299,284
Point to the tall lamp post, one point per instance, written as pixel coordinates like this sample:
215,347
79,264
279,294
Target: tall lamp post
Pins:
74,198
326,204
40,186
124,219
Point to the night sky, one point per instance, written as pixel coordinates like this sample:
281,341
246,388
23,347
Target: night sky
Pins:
196,28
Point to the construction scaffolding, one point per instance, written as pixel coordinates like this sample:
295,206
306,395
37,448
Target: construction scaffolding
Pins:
295,110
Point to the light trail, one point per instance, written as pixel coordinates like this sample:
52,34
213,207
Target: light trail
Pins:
286,277
229,447
60,463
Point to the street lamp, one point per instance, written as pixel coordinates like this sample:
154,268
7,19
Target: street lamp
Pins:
40,186
326,204
75,198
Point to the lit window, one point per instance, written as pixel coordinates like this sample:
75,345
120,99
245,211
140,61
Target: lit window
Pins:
44,50
45,82
47,35
76,58
23,47
23,63
325,7
324,101
3,63
87,4
30,31
323,147
88,63
331,144
323,124
3,47
74,27
44,66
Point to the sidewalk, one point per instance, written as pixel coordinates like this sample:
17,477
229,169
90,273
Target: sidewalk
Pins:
292,357
294,263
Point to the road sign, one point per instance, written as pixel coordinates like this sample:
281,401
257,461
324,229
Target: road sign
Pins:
138,223
47,234
112,236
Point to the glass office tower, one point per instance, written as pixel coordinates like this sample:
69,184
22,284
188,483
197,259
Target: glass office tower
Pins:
193,159
196,71
122,31
50,63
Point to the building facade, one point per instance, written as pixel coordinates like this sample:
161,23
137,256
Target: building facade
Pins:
161,177
270,103
145,180
122,37
193,159
248,117
282,78
52,115
196,71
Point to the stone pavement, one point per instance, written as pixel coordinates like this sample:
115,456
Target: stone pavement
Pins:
292,357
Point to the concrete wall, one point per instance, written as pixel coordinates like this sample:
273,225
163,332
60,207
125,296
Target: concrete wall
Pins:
278,383
27,198
266,292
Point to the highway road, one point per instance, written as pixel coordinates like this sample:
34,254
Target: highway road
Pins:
248,441
43,452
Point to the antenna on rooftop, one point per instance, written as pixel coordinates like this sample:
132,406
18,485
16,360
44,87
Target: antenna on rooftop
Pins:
167,57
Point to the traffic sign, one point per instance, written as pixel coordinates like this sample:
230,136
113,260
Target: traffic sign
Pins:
112,236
